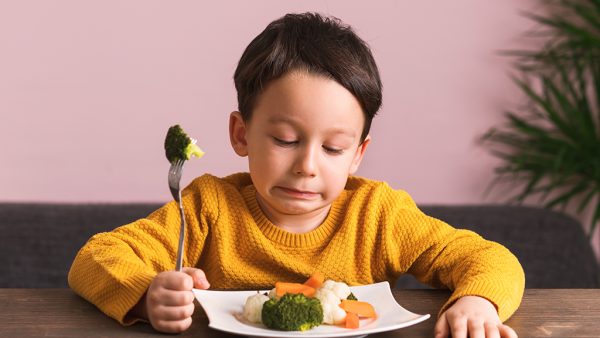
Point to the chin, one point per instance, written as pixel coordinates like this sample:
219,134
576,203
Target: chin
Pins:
300,208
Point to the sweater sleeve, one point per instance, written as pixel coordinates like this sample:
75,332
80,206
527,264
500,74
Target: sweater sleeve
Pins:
461,260
114,269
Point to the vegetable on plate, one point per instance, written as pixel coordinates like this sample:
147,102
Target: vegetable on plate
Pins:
303,306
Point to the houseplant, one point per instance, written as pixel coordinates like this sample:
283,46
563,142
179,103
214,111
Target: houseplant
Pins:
551,147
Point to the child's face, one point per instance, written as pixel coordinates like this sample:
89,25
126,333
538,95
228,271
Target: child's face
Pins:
302,142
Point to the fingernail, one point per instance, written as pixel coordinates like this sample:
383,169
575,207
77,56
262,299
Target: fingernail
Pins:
203,283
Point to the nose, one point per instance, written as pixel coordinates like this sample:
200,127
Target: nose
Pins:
306,162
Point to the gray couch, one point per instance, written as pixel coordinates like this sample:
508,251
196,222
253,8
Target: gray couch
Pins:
39,241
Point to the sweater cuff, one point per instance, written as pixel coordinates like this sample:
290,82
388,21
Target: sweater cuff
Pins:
506,300
132,291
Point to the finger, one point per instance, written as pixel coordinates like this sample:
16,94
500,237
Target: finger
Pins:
176,280
198,276
506,331
441,329
491,330
172,326
476,328
170,297
458,326
174,313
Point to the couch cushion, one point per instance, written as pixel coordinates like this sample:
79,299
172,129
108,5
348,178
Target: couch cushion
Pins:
40,241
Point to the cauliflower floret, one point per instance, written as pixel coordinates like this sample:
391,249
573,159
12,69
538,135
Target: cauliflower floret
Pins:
273,293
253,307
341,289
332,312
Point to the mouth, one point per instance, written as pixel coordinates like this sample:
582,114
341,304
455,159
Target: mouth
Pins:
300,194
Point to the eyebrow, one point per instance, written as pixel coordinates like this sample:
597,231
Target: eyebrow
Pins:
284,119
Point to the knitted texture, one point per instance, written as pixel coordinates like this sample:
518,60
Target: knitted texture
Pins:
371,234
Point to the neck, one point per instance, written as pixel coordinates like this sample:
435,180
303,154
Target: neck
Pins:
294,223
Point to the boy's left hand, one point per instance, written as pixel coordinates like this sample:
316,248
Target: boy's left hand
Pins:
473,317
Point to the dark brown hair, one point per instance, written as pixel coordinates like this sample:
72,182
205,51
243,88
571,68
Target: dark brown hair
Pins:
309,42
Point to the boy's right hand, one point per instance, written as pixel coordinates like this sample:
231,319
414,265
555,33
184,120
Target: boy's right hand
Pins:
170,300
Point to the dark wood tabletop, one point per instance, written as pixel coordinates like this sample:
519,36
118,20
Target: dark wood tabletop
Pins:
569,313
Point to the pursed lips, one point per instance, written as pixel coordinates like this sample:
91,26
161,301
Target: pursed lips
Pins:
298,193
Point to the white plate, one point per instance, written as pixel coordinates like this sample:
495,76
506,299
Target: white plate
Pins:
224,310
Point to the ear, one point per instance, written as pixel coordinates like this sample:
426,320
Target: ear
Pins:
360,152
237,133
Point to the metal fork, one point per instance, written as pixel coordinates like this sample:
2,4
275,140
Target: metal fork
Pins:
174,178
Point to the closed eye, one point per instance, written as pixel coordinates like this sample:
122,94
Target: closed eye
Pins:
333,151
284,143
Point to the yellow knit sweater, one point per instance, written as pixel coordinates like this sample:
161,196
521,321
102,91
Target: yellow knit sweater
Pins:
372,233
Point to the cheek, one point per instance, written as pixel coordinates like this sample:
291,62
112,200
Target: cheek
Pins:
267,160
336,173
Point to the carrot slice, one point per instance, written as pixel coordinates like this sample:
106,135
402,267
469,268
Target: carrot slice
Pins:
362,309
282,288
352,321
315,280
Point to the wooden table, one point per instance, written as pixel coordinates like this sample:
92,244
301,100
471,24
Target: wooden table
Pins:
61,313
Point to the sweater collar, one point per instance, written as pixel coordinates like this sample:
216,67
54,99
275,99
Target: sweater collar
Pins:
275,234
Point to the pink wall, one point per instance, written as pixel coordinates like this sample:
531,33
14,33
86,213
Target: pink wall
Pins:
88,90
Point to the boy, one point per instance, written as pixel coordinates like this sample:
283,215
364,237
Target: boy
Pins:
308,89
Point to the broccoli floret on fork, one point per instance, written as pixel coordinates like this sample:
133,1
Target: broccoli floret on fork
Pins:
179,146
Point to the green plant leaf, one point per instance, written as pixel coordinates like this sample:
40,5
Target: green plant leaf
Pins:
586,200
572,102
564,198
587,13
547,107
574,33
551,147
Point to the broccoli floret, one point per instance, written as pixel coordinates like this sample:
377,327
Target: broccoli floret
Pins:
179,146
351,296
292,312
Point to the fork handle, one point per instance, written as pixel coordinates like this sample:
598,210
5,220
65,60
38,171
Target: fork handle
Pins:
179,263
